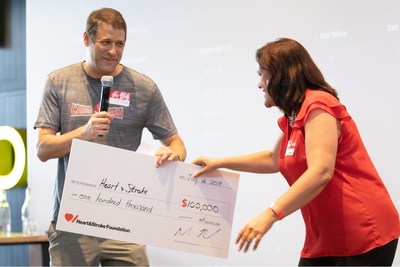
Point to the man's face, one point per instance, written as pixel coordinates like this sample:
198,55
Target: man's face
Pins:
104,51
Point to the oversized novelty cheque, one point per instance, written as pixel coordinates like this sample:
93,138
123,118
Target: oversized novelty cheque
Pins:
119,194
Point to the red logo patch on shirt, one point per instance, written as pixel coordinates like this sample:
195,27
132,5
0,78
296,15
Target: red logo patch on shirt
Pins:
118,112
81,110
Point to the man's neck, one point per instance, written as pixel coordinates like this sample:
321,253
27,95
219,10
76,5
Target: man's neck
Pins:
97,75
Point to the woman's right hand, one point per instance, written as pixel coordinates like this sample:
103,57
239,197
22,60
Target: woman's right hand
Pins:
207,164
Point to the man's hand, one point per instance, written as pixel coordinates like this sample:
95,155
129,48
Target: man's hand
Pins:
165,153
98,125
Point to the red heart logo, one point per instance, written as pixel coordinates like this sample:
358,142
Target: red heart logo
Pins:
68,216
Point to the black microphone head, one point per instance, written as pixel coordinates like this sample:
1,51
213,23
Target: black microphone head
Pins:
107,80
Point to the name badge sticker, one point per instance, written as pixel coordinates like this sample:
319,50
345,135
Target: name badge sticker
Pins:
120,98
290,148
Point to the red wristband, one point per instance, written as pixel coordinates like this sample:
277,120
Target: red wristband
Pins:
277,211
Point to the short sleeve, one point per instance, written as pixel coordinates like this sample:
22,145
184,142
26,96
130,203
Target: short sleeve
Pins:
320,100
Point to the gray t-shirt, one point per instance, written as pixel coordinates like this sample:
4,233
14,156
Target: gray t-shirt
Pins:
70,97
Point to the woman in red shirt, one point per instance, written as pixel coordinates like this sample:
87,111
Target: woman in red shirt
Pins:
349,216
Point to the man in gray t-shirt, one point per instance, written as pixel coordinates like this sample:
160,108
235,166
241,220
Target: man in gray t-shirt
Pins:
70,109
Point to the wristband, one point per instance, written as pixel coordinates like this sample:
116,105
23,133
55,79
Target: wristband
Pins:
279,213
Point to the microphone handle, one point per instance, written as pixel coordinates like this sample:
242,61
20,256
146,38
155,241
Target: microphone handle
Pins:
104,98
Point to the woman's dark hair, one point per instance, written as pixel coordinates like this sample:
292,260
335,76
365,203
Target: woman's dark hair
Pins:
292,72
106,15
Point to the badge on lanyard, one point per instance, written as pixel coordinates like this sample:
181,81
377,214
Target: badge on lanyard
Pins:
290,148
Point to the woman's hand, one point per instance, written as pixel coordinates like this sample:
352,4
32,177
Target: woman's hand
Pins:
207,164
255,229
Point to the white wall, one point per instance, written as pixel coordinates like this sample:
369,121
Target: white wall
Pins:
201,54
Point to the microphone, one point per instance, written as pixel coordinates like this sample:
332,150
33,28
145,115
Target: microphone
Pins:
106,83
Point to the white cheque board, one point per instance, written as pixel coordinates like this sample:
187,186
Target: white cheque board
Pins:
119,194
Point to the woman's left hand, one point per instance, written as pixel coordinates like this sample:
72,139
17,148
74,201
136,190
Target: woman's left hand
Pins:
255,229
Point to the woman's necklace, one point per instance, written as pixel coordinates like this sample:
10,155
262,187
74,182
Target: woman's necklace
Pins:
291,118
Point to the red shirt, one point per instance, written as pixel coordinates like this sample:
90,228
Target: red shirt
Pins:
354,213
